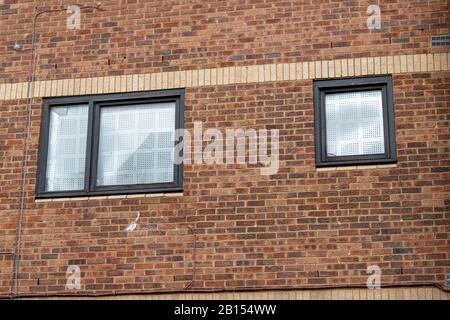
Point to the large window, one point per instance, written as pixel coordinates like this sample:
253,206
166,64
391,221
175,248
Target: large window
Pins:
110,144
354,121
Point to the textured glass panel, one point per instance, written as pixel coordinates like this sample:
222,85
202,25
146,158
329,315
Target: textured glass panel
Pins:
139,150
354,123
66,148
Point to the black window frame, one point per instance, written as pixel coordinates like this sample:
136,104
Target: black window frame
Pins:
95,102
323,87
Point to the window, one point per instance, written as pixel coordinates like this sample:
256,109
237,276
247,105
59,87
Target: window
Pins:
110,144
354,121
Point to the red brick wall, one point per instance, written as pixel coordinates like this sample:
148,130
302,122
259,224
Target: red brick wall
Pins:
299,228
135,36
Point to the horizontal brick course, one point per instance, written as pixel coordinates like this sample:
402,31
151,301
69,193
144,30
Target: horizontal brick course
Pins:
222,76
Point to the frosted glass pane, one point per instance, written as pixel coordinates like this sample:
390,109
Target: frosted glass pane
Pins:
354,123
67,148
136,144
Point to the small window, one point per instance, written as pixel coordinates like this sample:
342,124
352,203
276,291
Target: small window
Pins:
354,121
110,144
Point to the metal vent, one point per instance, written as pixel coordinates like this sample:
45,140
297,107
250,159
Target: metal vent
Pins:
447,279
440,40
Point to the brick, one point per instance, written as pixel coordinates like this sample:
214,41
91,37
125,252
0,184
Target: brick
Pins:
390,64
331,69
292,71
376,65
195,77
305,68
357,66
207,78
338,68
2,91
410,63
273,72
146,78
219,80
141,83
370,66
344,68
416,59
312,70
82,87
48,88
423,62
444,64
430,62
364,66
351,67
279,72
397,64
213,77
12,91
403,63
383,65
100,85
153,83
437,62
318,69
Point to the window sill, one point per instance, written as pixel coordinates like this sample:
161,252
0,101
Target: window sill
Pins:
112,197
361,167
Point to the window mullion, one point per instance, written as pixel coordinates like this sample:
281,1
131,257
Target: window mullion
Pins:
89,144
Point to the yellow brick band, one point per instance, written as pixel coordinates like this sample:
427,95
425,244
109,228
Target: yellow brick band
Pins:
432,62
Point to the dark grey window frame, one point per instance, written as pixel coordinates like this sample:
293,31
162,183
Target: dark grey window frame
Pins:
95,102
322,87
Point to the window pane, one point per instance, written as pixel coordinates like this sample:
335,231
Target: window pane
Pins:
354,123
67,148
136,144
